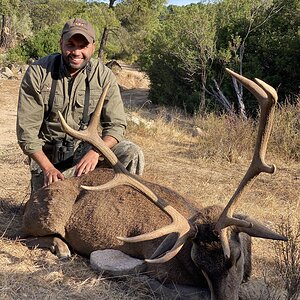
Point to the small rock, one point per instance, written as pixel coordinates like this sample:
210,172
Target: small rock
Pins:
196,131
115,263
7,72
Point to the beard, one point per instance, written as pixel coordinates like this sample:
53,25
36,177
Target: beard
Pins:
71,66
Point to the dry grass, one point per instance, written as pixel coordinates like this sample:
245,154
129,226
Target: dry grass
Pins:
206,169
288,256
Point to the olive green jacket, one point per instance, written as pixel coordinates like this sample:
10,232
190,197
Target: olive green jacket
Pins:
32,129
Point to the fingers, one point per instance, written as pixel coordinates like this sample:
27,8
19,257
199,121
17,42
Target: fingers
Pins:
52,175
88,163
85,167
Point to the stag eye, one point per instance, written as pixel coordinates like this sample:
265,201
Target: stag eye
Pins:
239,256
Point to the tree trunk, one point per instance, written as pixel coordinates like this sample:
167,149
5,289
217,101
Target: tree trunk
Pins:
104,37
239,94
5,38
202,104
103,44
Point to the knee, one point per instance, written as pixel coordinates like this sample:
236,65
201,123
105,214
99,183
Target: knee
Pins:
131,156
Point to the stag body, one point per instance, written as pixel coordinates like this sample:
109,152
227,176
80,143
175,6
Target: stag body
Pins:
208,246
89,220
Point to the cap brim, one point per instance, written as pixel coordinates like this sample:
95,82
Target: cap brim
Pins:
70,33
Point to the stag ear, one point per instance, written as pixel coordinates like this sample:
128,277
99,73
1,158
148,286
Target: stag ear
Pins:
261,231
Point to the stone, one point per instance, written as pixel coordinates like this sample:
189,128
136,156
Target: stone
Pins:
115,263
7,72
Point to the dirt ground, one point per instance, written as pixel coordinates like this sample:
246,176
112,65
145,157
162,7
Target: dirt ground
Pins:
37,274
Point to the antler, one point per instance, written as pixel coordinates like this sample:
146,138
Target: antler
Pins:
267,98
179,224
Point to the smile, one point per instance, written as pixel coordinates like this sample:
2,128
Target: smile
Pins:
76,60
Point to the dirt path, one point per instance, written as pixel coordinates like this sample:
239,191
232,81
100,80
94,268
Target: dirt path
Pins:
8,111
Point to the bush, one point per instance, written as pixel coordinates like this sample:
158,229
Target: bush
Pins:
17,55
41,44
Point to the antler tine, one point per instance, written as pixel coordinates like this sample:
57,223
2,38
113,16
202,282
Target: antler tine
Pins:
178,226
90,134
267,98
122,177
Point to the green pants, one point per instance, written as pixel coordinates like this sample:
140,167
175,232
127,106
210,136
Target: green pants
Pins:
129,154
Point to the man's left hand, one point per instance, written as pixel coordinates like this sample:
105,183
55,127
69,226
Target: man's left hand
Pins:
88,163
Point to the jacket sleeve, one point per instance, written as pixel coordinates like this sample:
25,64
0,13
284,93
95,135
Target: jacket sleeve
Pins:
30,112
113,117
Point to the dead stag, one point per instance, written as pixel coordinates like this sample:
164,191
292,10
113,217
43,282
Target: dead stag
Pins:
201,246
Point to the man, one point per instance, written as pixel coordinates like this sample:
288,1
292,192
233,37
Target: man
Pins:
70,82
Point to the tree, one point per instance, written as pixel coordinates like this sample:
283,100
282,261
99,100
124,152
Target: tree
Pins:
7,8
47,13
104,37
181,55
198,30
238,20
277,50
139,22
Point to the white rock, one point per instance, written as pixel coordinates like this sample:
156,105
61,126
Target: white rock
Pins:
115,263
7,72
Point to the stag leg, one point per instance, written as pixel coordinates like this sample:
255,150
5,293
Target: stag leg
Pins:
56,245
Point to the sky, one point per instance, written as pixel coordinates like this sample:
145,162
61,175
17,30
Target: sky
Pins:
182,2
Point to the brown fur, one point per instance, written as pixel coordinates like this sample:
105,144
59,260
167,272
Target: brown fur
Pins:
91,220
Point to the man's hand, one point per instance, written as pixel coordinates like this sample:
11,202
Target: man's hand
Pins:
52,175
88,163
90,160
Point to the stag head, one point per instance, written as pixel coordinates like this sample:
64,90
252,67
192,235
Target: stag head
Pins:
221,248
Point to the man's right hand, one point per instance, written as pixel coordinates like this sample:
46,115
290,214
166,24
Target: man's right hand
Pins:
52,175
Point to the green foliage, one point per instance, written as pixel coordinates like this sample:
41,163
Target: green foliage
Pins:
180,55
276,49
7,7
37,46
140,20
100,16
16,55
44,43
183,49
47,13
21,26
196,42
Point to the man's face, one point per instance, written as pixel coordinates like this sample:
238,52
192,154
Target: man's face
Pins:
76,52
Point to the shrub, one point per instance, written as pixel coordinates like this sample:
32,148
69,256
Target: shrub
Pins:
41,44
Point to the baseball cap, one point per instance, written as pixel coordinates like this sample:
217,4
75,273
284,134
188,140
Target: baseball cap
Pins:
79,26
